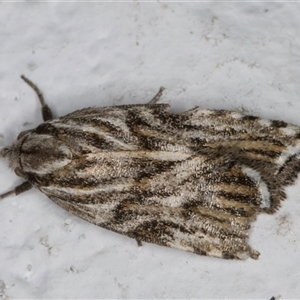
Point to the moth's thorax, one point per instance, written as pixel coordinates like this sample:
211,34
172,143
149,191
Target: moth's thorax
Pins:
38,153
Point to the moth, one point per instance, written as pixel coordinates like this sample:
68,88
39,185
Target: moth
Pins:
193,181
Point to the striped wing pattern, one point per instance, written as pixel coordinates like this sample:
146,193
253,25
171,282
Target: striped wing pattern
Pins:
193,181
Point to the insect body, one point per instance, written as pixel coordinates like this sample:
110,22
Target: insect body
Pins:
192,181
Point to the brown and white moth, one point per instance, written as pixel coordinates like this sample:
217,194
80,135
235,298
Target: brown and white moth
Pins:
193,181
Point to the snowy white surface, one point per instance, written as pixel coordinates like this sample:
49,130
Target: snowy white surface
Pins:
235,56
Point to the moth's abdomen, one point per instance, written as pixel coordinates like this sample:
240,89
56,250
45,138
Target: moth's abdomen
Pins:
42,154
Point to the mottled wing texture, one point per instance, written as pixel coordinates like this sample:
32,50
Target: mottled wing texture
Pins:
192,181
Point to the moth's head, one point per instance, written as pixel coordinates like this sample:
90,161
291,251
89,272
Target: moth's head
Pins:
36,153
11,154
8,154
4,152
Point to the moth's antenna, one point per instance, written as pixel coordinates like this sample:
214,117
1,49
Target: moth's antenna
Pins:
46,111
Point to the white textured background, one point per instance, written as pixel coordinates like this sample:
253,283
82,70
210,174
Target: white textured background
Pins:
236,56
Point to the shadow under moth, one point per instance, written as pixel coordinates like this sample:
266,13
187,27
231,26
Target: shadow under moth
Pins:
193,181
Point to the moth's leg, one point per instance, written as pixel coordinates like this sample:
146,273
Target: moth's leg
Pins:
157,96
46,111
139,242
188,112
25,186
